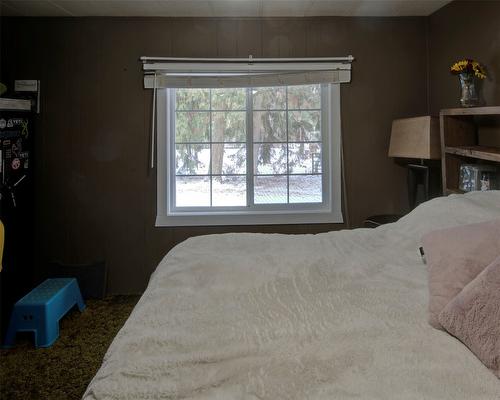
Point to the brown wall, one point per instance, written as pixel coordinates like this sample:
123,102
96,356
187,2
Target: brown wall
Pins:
96,196
463,29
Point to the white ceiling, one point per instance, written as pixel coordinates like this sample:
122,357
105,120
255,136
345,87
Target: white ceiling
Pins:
220,8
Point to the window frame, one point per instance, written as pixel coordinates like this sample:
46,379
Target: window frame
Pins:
328,211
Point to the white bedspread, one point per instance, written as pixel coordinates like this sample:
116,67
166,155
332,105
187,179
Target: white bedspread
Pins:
339,315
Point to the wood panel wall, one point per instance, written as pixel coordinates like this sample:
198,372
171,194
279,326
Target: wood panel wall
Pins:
463,29
95,193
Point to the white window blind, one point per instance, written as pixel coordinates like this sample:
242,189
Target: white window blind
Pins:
249,72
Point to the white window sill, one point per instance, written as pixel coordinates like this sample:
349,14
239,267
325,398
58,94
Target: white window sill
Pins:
247,218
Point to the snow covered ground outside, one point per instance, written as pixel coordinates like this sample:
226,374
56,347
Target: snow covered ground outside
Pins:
231,191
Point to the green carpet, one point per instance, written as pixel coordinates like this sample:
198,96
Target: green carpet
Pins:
64,370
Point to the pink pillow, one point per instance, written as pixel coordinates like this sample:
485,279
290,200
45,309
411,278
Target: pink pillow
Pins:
455,256
473,316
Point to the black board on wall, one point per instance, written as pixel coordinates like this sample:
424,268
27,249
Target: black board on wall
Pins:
16,207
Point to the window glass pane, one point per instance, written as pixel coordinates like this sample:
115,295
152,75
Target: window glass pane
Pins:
229,159
304,96
192,159
270,159
304,126
229,191
211,146
304,158
270,189
192,127
269,126
229,126
192,99
192,191
229,99
305,188
269,98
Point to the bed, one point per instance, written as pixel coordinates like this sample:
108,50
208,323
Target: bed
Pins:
338,315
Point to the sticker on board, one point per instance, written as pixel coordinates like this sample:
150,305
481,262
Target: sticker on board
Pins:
16,163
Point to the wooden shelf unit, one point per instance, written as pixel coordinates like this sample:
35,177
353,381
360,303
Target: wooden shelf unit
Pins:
480,152
460,144
491,110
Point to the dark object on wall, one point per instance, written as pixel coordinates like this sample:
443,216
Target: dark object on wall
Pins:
16,202
91,277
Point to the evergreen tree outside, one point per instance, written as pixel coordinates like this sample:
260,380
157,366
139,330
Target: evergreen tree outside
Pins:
210,142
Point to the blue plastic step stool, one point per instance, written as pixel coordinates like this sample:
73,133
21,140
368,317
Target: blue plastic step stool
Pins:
42,308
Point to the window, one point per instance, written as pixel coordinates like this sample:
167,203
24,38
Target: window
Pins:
249,155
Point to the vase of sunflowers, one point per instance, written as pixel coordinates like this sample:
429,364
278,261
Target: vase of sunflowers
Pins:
469,72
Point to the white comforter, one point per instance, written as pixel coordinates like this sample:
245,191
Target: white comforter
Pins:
339,315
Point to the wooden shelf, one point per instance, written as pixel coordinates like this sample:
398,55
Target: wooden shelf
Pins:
492,110
459,138
479,152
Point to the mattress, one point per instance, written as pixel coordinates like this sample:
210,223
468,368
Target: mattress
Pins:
338,315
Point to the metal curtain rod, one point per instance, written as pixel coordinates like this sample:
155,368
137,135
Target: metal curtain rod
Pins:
249,60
